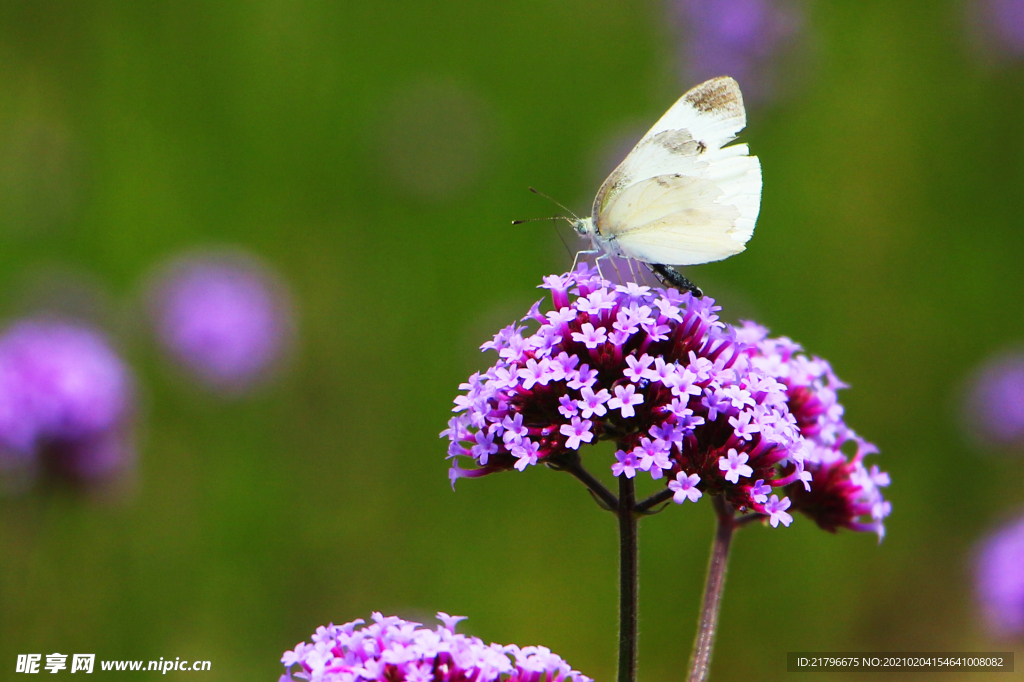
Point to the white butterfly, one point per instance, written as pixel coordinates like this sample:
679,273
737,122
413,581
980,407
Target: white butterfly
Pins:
680,197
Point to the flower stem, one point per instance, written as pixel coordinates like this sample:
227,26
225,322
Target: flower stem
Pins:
654,500
628,580
700,660
574,466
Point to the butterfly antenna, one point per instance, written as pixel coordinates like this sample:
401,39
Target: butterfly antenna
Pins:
555,203
554,217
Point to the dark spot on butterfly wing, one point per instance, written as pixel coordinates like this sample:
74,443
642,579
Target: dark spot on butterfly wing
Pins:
677,142
717,94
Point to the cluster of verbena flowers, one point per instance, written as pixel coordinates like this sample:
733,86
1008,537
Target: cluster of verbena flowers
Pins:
709,407
391,649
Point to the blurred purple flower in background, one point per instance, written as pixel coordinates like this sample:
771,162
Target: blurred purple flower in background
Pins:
224,317
999,575
739,38
999,27
392,649
995,402
65,400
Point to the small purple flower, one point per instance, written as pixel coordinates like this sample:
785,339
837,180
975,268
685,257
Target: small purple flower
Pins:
592,404
759,491
685,488
745,425
578,431
597,302
449,622
624,400
999,579
514,430
656,332
65,398
714,404
225,318
535,373
625,464
735,465
563,367
584,378
776,510
740,38
589,336
665,373
526,451
485,446
699,402
638,369
391,649
652,456
568,407
626,323
737,397
633,291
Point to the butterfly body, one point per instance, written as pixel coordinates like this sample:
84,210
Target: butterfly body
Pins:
681,196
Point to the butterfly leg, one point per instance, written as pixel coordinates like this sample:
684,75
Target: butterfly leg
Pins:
671,277
607,257
635,275
615,266
579,253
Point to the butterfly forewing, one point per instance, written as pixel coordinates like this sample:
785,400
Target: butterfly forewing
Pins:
681,197
712,111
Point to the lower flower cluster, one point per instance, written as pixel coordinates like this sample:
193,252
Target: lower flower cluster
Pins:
709,407
394,650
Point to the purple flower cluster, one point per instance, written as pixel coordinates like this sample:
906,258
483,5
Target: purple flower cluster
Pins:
225,318
1000,25
65,398
394,650
710,408
994,413
999,579
840,489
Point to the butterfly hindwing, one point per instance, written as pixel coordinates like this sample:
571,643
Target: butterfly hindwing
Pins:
675,220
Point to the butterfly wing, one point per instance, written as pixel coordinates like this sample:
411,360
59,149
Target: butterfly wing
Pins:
681,197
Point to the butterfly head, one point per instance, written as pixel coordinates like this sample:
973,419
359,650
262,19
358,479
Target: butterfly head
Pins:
583,226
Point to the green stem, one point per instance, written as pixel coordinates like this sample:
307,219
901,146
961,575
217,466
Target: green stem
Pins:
628,580
700,661
654,500
571,464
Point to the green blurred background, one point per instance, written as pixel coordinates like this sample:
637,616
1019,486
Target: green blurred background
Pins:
374,154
